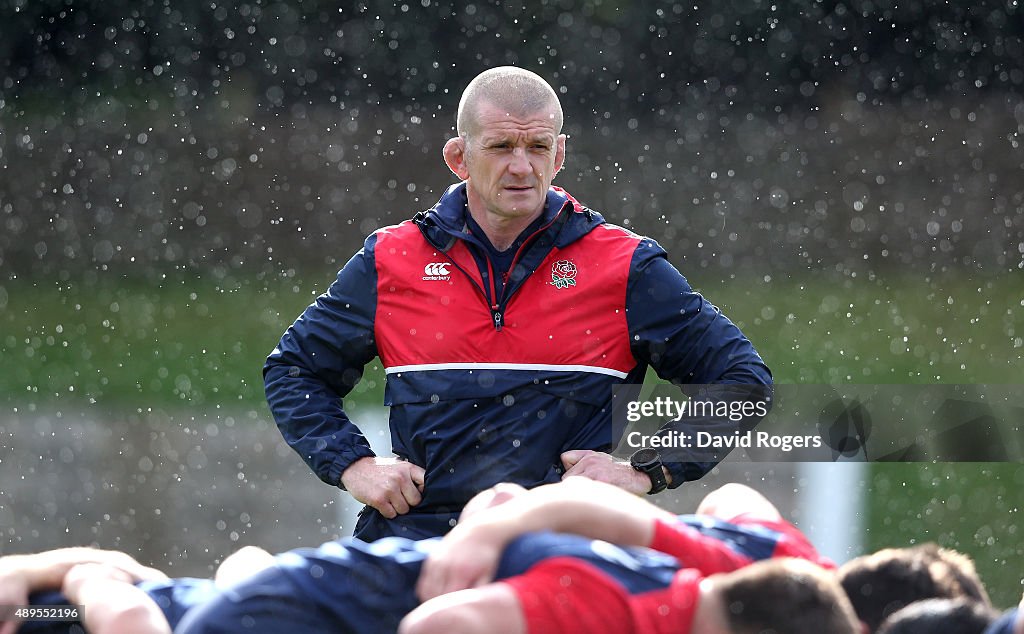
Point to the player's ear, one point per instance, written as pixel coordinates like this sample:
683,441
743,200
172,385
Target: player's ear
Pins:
455,156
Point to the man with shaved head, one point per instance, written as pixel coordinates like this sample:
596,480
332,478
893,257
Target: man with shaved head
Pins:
504,315
512,89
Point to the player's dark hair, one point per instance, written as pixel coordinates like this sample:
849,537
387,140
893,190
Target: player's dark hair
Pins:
785,595
881,583
949,616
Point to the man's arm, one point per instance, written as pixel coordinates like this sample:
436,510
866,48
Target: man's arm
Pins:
603,467
111,603
685,338
491,609
318,361
316,364
21,575
46,570
688,341
468,556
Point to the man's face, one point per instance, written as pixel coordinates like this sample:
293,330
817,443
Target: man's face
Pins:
510,160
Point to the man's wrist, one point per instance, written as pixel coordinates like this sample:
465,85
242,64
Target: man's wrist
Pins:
646,478
341,476
648,461
485,529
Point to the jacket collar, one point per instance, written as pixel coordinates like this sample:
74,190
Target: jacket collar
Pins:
445,222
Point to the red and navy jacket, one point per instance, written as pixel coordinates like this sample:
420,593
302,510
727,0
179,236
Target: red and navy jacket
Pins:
490,382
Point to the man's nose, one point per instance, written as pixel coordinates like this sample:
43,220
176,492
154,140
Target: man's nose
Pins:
520,163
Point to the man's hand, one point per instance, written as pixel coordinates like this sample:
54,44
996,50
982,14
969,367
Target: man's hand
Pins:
82,574
389,485
20,575
467,557
14,590
604,468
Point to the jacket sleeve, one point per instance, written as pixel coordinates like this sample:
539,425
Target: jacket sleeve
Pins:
318,361
688,341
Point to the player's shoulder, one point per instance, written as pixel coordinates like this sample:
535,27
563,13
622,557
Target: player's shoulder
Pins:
641,247
612,240
756,537
610,231
789,540
178,595
391,238
402,230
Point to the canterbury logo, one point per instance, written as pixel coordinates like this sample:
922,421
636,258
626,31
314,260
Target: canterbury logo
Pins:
436,271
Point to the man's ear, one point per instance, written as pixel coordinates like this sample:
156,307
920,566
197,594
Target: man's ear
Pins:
455,157
559,153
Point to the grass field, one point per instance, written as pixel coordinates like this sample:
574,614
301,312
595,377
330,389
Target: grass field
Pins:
126,343
200,344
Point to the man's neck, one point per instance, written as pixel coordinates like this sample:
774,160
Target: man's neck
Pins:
502,232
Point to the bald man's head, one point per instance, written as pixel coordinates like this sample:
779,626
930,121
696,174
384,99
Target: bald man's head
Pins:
517,91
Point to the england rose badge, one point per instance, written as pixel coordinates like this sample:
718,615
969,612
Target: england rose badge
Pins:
563,274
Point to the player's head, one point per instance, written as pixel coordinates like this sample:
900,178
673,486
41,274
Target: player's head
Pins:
777,595
883,582
494,496
514,90
949,616
733,499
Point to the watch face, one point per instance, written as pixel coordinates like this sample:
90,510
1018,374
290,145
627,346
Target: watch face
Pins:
644,457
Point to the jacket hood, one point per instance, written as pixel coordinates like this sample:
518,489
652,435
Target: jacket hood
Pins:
445,222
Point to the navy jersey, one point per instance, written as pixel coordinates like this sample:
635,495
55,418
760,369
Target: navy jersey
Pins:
351,587
1005,623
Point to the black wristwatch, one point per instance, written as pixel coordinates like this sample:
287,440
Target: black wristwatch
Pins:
649,461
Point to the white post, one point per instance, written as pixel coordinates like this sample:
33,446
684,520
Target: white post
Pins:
373,421
831,499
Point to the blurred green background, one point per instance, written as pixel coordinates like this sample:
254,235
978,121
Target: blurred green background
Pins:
120,341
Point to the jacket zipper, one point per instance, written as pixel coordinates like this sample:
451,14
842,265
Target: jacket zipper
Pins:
497,306
497,314
498,309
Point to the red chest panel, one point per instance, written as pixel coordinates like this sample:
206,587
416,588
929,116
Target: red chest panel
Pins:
430,312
